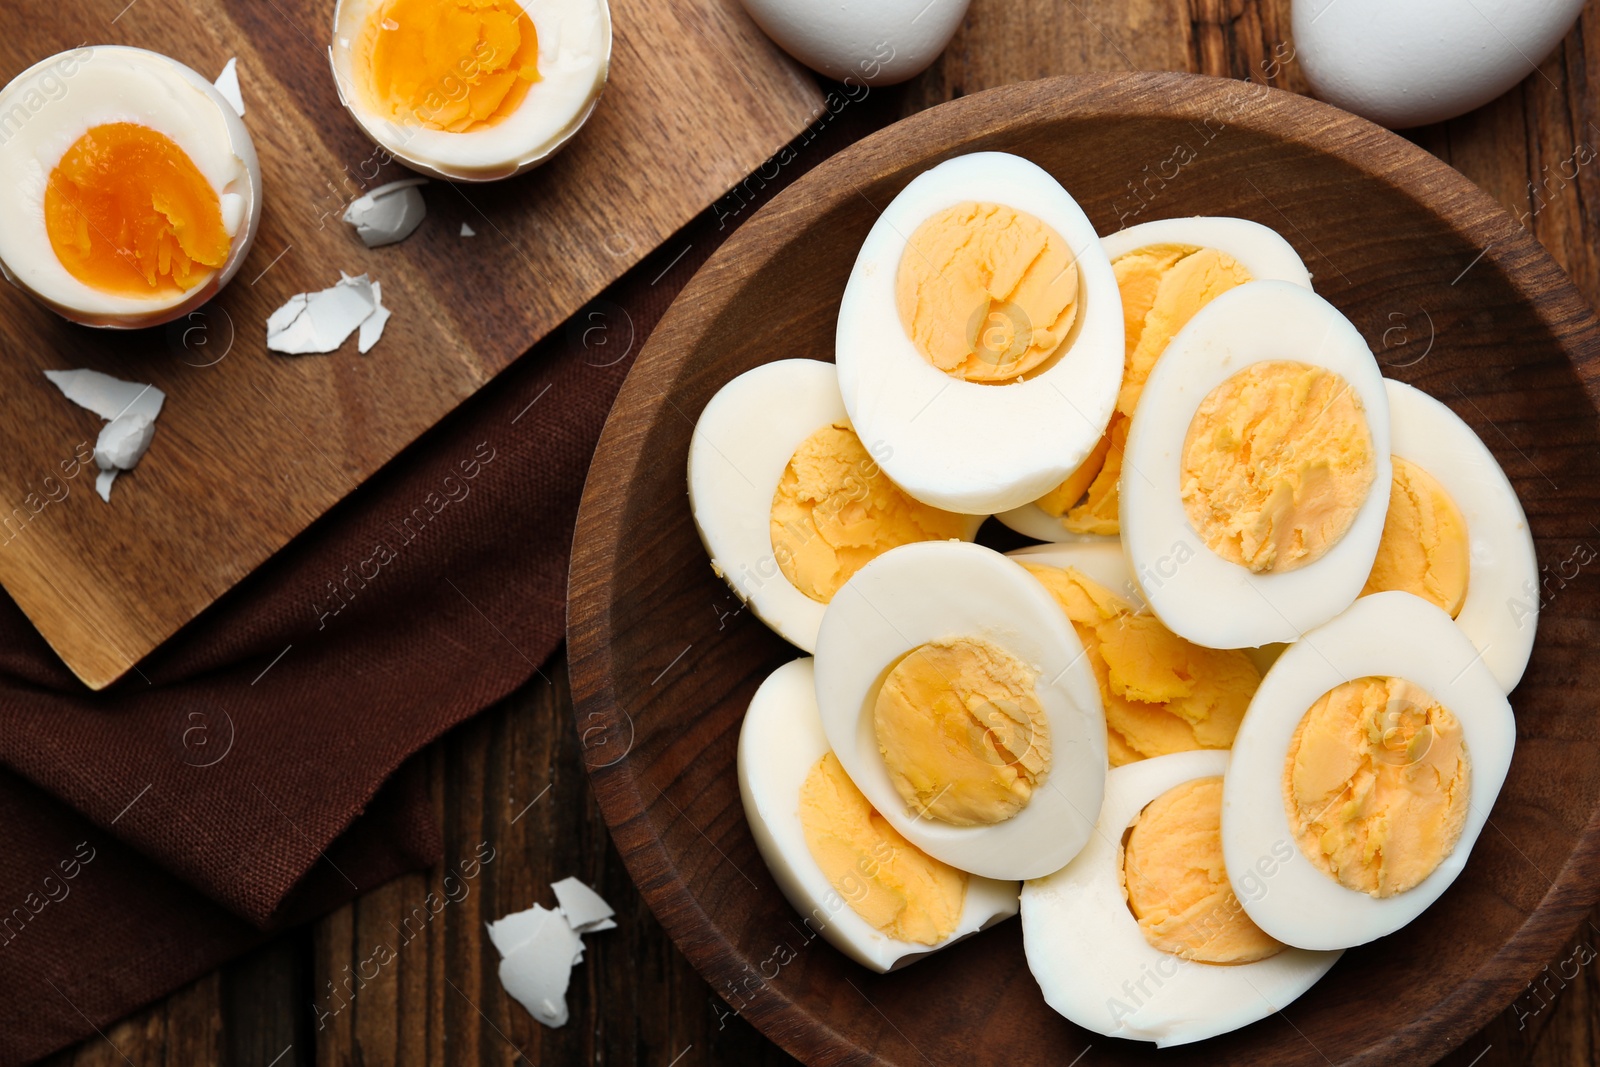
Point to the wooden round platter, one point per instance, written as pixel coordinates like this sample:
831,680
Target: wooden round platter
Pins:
1452,295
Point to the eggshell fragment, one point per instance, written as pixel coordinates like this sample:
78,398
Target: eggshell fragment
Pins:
585,910
227,84
538,949
321,321
130,410
388,213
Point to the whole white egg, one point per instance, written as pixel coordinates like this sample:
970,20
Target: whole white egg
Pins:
1419,61
880,43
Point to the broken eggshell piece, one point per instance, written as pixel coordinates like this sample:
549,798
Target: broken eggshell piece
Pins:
130,411
388,213
538,950
321,321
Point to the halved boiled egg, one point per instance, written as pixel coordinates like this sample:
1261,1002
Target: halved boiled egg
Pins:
1455,534
1166,271
1257,470
1161,694
1363,773
1142,936
472,91
958,699
872,894
980,334
790,502
132,186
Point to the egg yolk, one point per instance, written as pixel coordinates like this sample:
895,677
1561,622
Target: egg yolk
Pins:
986,292
1161,693
1277,461
834,512
1424,545
1162,286
453,65
1176,884
962,733
888,881
1376,784
127,212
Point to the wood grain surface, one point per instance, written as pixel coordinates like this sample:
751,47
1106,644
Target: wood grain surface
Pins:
252,447
637,1000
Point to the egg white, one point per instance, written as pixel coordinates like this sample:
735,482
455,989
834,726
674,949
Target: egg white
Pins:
1196,593
574,60
1390,634
1501,610
942,590
741,445
967,446
779,744
1093,963
105,84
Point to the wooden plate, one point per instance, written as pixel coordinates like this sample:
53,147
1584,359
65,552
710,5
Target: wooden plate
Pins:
1453,297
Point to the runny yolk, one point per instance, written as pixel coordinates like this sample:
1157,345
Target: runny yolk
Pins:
453,65
127,212
962,733
1177,886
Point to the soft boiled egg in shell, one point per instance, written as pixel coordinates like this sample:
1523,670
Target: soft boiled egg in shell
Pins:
971,446
1259,249
1501,610
1093,962
779,745
50,107
1384,635
541,111
938,592
742,444
1195,591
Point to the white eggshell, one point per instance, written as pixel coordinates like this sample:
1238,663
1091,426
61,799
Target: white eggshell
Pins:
879,43
975,447
1092,961
780,742
944,590
1501,611
1196,593
1389,634
741,444
1404,63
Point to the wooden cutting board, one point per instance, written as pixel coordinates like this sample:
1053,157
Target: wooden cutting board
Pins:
251,447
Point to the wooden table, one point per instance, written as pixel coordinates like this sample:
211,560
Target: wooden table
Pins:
513,776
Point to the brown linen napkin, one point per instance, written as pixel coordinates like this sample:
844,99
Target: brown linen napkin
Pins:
235,783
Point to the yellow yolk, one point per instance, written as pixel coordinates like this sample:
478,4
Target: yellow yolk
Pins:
962,733
889,882
986,292
454,65
1177,886
1424,546
1376,784
128,212
1277,462
834,512
1162,694
1162,286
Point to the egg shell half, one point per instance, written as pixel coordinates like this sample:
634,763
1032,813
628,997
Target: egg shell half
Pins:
966,446
882,43
741,445
1501,611
1260,249
779,744
1092,961
1389,634
1196,593
940,590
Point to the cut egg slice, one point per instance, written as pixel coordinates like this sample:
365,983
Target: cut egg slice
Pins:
474,92
1092,958
957,698
878,901
1166,271
1486,572
1257,469
1389,738
790,502
980,335
133,190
